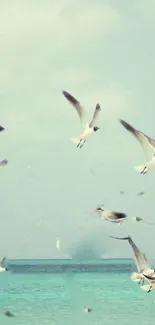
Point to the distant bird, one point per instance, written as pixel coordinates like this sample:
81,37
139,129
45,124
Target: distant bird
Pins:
8,314
87,128
140,261
112,216
87,309
138,219
2,268
141,193
148,145
58,243
3,162
121,192
1,128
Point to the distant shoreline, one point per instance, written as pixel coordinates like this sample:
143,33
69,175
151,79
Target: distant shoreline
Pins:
73,260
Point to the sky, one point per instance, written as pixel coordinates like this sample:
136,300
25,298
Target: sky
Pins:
99,51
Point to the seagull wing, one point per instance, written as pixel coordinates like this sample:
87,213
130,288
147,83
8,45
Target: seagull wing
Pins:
120,215
146,142
79,108
95,116
139,257
2,261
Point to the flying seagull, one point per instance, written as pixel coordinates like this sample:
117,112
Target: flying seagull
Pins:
87,128
3,162
141,193
2,268
140,260
112,216
8,314
148,145
87,309
58,243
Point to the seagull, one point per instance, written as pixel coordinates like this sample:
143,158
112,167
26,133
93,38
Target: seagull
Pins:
118,217
148,145
140,260
87,128
112,216
141,193
3,269
138,219
9,314
3,162
147,287
87,309
58,243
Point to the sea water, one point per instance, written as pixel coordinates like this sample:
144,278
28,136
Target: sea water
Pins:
56,292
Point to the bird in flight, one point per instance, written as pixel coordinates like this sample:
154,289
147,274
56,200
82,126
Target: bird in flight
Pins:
87,128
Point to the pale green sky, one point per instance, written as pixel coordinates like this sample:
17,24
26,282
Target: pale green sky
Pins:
99,51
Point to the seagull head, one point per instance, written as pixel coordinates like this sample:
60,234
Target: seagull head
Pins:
96,128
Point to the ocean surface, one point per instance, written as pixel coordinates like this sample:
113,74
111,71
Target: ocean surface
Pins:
45,292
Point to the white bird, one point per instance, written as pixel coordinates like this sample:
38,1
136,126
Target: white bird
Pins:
87,128
58,243
148,145
2,268
112,216
3,162
140,261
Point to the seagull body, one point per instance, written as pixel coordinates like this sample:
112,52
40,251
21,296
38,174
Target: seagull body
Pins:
148,145
151,280
140,261
87,128
2,268
112,216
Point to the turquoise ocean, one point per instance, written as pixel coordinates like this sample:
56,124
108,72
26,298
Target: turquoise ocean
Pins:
46,292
